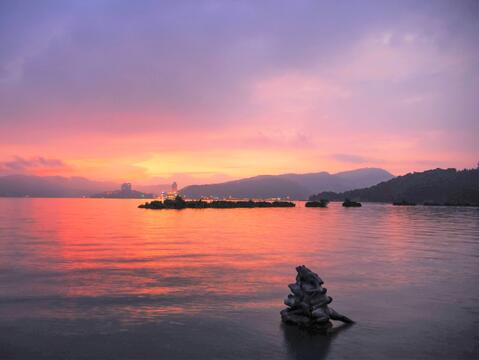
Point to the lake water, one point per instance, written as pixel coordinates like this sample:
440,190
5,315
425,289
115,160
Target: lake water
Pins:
101,279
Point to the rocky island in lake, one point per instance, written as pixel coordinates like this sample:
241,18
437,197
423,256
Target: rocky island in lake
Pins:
320,203
308,303
180,203
350,203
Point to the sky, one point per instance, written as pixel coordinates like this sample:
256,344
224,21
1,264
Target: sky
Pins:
207,91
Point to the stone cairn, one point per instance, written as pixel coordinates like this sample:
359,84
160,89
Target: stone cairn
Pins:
308,303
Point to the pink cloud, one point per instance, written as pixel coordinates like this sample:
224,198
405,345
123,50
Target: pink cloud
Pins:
33,165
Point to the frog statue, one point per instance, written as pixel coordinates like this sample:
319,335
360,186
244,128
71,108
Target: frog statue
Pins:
308,303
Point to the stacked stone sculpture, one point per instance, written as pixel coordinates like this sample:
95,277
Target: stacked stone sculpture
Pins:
308,303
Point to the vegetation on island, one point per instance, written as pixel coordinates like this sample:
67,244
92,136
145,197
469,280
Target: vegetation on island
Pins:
322,203
445,187
180,203
349,203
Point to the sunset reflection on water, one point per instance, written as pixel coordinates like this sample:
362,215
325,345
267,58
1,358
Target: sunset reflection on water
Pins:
108,262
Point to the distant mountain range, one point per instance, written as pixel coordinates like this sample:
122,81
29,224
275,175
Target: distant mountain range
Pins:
294,186
58,186
439,186
369,184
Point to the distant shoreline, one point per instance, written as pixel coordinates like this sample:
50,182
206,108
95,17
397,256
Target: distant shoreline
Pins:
473,205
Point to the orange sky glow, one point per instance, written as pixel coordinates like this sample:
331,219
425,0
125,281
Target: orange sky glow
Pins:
236,90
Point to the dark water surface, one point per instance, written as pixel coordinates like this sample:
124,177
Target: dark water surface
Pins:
101,279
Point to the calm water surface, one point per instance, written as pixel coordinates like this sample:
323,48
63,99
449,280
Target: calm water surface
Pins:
101,279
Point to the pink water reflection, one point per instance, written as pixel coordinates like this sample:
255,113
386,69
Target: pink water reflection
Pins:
146,261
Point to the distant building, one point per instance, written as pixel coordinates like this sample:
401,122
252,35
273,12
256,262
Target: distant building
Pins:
174,187
126,187
125,192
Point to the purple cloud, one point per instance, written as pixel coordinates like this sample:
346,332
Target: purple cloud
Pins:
119,69
21,165
85,65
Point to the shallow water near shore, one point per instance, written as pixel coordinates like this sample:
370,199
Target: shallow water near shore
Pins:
102,279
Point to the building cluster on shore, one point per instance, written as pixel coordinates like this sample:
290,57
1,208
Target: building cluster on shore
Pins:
169,195
126,192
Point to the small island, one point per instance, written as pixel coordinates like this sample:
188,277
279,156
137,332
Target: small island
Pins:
180,203
349,203
321,203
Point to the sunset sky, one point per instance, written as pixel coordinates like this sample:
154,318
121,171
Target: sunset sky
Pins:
204,91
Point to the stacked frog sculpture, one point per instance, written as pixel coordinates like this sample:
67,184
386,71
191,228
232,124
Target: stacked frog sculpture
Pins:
308,303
